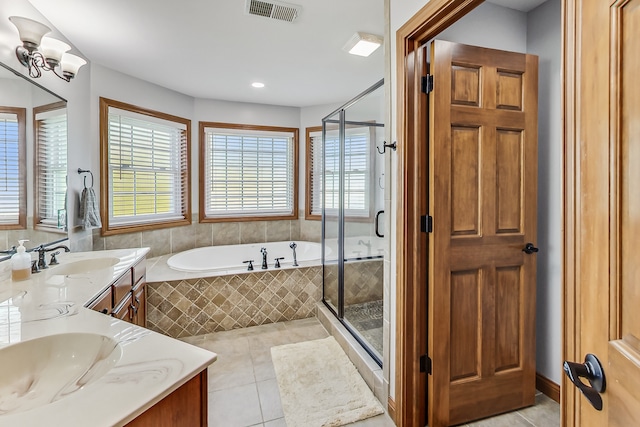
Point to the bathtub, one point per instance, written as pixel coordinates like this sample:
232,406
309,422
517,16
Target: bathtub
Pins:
229,258
210,289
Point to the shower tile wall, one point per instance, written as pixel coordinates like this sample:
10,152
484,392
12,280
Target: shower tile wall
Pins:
196,235
200,306
362,282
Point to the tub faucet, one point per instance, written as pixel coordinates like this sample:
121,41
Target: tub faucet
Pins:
293,246
366,245
263,250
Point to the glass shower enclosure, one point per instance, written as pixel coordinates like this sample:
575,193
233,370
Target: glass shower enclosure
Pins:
352,215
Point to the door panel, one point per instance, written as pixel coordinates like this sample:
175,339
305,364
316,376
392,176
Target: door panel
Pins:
482,178
602,210
465,181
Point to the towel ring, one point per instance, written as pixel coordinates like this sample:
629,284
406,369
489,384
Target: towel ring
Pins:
81,171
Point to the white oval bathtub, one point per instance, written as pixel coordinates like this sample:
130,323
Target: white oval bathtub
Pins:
231,257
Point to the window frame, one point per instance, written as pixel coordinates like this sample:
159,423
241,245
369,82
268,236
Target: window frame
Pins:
309,178
37,217
21,114
109,229
202,165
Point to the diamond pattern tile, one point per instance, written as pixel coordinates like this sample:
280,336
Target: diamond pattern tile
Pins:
221,303
363,282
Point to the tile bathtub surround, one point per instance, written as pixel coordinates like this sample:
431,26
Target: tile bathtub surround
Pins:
199,306
177,239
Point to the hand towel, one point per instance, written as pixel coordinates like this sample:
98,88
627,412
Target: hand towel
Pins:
89,211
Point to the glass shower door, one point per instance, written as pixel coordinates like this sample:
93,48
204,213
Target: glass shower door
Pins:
353,203
363,205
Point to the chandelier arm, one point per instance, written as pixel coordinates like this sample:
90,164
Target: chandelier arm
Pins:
62,76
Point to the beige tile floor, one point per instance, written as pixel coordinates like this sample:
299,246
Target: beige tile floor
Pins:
243,390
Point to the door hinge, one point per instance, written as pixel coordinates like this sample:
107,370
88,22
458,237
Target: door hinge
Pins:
425,364
426,224
427,83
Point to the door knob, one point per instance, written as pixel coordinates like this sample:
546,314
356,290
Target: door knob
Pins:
592,370
529,248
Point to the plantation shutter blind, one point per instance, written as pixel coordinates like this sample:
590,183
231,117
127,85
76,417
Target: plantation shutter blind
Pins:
315,164
12,163
248,173
148,169
51,159
356,173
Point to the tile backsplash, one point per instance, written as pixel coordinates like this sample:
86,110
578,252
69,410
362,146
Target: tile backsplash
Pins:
196,235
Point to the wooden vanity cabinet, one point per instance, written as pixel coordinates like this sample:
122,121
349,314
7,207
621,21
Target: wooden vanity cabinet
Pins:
187,406
104,302
124,311
139,304
125,298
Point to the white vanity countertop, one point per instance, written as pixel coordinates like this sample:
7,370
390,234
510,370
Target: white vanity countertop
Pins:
151,366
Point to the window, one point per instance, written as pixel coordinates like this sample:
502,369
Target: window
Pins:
50,123
144,168
13,178
357,172
247,172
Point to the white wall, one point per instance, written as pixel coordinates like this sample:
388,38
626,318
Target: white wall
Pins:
544,39
490,26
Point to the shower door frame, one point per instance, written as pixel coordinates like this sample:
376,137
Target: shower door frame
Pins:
339,313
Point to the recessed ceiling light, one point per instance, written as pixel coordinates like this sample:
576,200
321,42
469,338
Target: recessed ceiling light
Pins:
362,44
257,84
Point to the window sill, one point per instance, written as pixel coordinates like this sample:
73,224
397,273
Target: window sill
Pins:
124,229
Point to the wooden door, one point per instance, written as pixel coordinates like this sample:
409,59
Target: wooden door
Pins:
602,206
483,190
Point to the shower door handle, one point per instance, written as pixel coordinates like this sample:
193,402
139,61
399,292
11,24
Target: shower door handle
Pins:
377,224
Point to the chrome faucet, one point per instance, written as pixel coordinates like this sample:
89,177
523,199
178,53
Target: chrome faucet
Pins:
10,251
293,246
263,250
42,262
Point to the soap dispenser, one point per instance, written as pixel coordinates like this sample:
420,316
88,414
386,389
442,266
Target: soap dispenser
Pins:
20,263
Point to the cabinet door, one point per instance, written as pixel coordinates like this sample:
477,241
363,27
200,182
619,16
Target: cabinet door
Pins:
121,288
124,311
103,303
140,304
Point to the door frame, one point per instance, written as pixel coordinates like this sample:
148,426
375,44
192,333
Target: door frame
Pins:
411,249
411,243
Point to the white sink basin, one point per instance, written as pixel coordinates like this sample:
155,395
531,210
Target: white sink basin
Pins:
44,370
84,266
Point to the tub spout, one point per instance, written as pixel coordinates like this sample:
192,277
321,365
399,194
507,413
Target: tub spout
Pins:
263,250
293,246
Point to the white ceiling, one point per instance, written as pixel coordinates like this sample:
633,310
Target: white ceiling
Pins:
213,50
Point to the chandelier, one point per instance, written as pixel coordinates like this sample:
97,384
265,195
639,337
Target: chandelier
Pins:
39,53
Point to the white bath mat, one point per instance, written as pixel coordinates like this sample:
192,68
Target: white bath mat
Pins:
319,386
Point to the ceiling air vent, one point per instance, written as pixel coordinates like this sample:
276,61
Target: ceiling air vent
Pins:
273,10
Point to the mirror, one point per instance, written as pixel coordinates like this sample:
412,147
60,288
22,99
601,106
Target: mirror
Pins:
39,118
